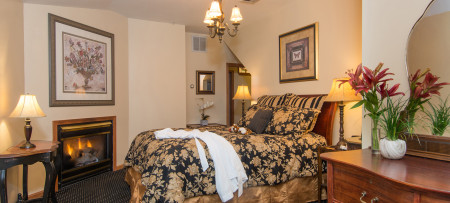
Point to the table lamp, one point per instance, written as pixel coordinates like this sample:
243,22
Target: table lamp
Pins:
242,93
27,107
342,93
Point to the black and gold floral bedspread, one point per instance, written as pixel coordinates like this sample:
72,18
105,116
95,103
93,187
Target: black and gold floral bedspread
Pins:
171,168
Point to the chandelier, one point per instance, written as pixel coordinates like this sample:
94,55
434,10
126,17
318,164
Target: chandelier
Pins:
214,19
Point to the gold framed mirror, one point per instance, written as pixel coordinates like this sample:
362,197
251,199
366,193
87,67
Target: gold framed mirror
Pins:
205,82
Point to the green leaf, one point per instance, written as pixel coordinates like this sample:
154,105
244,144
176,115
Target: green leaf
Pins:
358,104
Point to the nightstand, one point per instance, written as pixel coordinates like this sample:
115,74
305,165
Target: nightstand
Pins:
354,142
45,152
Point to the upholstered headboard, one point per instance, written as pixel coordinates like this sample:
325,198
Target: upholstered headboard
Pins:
324,124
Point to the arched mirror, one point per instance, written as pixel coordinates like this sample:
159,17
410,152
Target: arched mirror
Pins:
429,47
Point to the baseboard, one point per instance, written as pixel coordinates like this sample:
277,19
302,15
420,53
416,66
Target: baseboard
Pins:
118,167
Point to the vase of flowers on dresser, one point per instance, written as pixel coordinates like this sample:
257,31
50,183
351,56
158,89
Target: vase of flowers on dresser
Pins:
372,86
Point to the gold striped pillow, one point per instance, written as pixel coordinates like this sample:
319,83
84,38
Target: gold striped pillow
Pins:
305,102
272,100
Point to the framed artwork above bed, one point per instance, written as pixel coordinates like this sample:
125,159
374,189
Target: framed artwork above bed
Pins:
81,64
298,52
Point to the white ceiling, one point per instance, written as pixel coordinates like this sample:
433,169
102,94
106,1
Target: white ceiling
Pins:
186,12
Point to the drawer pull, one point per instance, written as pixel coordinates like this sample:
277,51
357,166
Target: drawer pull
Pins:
363,194
375,199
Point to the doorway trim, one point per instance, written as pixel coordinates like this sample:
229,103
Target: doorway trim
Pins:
229,96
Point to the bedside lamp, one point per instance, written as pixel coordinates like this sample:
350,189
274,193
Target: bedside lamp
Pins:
242,93
342,93
27,107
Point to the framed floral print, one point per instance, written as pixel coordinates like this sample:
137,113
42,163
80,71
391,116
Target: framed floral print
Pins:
81,64
298,51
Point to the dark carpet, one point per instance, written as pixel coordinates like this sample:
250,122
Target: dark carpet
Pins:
109,187
106,187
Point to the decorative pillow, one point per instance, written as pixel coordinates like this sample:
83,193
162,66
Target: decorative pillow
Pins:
304,102
289,120
259,122
272,100
245,121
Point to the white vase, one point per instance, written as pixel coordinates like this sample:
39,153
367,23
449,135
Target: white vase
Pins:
395,149
203,122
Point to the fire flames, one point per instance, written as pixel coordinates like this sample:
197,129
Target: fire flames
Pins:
69,150
80,152
81,145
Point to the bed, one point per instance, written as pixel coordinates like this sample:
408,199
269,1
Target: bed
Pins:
280,167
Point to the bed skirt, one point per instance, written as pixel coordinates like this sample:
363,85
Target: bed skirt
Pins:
296,190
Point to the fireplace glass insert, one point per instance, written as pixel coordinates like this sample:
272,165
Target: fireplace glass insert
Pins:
86,150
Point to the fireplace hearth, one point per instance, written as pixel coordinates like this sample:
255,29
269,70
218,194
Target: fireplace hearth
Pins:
86,148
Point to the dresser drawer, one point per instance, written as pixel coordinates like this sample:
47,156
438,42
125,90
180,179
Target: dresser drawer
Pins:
349,184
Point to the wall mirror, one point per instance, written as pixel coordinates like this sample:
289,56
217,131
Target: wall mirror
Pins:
205,82
428,47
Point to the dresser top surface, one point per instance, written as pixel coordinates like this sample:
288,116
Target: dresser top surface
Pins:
419,173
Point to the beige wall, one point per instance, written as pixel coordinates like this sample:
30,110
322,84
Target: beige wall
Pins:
339,48
11,82
157,94
37,80
214,59
385,30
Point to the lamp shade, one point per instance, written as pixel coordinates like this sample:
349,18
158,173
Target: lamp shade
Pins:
215,10
236,16
208,19
344,92
27,107
242,93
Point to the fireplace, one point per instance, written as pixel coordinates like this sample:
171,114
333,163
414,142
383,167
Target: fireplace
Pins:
86,148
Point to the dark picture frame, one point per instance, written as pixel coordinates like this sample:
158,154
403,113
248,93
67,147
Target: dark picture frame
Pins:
298,54
81,61
205,82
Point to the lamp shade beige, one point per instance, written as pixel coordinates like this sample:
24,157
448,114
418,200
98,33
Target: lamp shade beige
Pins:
344,92
208,19
27,107
215,10
236,16
242,93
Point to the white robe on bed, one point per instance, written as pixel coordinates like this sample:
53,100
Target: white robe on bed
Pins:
230,173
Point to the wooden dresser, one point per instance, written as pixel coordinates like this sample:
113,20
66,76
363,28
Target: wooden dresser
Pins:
357,175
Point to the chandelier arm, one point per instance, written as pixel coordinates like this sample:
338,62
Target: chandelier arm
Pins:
212,33
234,30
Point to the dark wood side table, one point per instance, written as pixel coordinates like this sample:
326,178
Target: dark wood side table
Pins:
214,125
45,152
